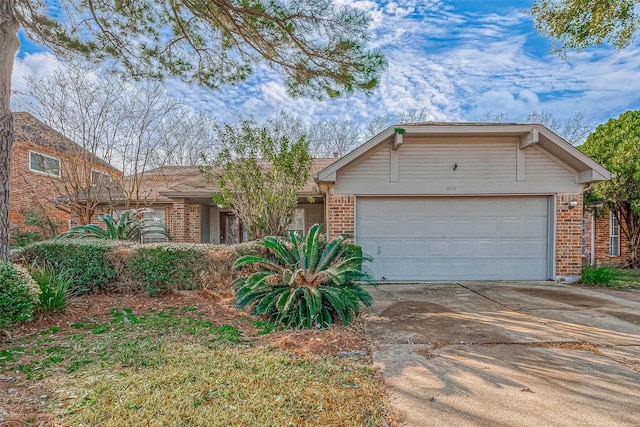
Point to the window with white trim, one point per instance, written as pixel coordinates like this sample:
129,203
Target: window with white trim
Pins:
157,224
297,224
614,235
42,163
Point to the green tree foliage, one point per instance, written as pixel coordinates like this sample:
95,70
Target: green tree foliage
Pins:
259,172
578,24
616,145
303,283
317,46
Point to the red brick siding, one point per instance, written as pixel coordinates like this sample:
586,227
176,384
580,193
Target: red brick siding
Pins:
30,189
602,240
341,215
193,234
568,236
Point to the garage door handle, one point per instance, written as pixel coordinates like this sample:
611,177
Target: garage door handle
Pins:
379,250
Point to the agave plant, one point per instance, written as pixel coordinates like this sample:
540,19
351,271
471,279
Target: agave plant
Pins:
130,226
303,283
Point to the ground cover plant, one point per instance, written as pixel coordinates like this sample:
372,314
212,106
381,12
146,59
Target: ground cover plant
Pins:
182,359
304,283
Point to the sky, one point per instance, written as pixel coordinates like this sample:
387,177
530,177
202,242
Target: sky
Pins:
455,59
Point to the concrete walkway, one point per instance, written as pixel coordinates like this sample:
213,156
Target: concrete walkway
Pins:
511,354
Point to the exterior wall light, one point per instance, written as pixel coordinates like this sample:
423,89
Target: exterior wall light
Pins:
573,204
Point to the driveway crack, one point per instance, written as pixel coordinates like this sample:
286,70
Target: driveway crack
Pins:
585,345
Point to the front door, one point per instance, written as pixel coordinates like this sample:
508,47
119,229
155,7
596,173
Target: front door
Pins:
230,228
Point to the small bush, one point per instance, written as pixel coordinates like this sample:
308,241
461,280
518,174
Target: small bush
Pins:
83,260
54,287
18,295
604,275
161,268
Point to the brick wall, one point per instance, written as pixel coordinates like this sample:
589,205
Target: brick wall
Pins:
193,230
32,190
179,220
602,240
341,215
568,236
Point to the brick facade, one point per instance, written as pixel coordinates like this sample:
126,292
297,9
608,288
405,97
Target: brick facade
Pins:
568,236
31,190
601,254
341,215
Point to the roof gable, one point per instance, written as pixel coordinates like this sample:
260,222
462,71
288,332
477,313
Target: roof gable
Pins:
586,169
27,128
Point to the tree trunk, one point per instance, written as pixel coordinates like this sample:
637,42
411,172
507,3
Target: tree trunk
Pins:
9,45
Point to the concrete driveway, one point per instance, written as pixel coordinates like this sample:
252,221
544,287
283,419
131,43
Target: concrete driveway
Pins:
513,354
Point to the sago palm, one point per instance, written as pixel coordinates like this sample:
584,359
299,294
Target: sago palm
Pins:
302,283
130,226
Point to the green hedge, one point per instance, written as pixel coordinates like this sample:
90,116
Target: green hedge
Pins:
83,260
117,266
18,295
161,268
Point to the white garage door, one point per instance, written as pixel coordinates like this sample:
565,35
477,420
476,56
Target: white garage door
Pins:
455,238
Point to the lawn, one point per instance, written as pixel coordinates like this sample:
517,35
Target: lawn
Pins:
183,361
629,277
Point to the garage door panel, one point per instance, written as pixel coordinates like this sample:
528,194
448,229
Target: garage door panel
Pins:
465,238
414,226
436,226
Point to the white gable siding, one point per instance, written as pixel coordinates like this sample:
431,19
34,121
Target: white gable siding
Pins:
488,161
541,168
425,166
372,168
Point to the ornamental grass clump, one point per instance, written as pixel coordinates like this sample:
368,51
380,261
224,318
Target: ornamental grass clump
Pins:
304,283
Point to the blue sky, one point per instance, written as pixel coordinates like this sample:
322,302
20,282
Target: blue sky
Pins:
457,59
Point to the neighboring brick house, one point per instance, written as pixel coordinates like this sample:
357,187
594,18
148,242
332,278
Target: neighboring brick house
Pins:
603,239
40,159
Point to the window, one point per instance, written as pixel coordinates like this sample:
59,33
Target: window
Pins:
614,236
584,236
99,178
158,217
44,164
297,224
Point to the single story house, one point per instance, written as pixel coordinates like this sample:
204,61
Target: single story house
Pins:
463,201
428,201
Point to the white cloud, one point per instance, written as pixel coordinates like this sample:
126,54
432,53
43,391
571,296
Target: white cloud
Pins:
457,65
36,64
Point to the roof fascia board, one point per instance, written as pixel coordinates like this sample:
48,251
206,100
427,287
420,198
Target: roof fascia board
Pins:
329,174
587,161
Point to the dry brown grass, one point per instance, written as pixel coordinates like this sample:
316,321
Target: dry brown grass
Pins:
181,364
